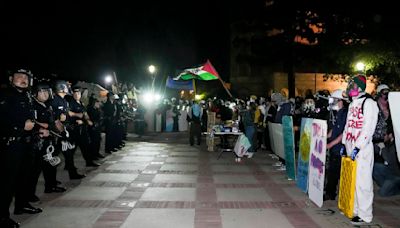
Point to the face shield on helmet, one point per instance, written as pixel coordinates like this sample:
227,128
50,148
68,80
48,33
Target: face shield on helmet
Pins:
335,98
42,92
62,87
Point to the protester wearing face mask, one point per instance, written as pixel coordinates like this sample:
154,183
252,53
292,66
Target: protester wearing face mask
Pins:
357,138
337,123
384,113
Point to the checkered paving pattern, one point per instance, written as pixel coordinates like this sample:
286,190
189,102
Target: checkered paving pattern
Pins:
162,181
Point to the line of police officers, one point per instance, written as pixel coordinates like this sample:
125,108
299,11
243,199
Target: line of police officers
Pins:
35,129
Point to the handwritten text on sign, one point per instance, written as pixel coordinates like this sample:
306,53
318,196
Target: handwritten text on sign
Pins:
317,161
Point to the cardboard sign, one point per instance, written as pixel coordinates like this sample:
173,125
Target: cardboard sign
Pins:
316,173
288,139
304,154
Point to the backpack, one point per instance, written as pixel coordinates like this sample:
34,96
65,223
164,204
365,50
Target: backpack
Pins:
367,96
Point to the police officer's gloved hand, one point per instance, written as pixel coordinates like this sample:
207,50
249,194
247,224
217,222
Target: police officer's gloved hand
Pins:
65,134
342,151
354,153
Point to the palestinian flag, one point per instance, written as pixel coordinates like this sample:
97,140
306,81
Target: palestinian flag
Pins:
206,72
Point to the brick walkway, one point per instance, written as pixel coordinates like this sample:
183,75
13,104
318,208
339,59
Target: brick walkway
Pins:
161,181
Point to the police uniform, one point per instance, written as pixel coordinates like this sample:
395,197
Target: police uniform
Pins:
61,106
41,147
15,152
95,130
119,124
79,132
110,112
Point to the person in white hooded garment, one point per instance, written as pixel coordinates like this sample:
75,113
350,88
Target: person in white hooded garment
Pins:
357,137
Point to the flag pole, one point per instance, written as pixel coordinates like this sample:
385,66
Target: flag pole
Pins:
215,73
226,89
194,86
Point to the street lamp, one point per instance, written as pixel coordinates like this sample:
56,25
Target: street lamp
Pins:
152,70
360,66
108,79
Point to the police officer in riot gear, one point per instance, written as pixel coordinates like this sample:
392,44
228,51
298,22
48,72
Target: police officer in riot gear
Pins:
95,116
110,115
79,120
62,121
43,147
15,149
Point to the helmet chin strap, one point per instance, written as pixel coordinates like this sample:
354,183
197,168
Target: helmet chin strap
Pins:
19,88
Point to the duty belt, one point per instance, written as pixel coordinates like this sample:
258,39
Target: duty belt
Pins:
8,140
11,139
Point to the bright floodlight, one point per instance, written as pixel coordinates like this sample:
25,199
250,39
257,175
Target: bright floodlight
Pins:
148,97
108,79
152,69
157,97
360,66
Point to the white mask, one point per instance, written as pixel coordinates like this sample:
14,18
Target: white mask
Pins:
335,107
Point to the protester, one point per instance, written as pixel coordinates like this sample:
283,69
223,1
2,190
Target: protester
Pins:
339,106
357,138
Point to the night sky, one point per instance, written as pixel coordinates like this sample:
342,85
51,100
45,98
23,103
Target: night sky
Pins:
89,41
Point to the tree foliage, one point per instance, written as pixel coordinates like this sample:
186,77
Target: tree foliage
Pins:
306,36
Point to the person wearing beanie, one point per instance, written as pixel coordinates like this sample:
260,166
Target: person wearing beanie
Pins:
357,139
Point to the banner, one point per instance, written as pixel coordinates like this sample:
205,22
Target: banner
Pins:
241,146
304,154
185,85
288,139
271,136
277,136
316,173
394,98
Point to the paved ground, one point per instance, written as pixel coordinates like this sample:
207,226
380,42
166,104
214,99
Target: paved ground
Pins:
161,181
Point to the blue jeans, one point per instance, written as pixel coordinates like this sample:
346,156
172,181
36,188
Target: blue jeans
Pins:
388,182
249,132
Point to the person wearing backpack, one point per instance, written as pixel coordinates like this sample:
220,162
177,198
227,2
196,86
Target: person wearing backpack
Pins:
357,137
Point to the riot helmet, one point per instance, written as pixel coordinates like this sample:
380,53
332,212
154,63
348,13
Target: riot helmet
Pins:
18,82
61,87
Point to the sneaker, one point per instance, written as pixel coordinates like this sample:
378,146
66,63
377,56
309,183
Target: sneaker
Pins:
358,221
263,147
282,168
277,164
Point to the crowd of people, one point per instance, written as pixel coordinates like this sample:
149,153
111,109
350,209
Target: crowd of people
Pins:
359,126
43,121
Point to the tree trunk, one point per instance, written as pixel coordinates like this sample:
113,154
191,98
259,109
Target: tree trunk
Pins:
289,69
